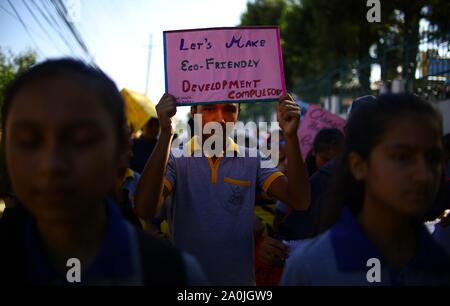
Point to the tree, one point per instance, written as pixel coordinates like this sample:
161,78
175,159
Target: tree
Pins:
11,65
321,36
268,13
329,46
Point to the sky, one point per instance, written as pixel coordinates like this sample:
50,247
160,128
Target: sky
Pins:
118,33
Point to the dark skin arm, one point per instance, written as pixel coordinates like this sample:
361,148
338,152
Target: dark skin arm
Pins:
150,191
293,190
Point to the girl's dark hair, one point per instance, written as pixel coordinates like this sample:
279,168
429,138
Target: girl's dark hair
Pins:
365,128
94,79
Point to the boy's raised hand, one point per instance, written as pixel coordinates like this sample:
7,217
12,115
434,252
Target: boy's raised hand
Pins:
166,109
288,115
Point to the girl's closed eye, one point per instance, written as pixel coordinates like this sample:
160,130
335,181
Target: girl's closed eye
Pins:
26,138
401,156
84,137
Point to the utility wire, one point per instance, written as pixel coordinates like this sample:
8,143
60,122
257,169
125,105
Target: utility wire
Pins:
26,28
40,24
62,12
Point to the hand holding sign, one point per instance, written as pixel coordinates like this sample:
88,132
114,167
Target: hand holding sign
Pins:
288,115
166,109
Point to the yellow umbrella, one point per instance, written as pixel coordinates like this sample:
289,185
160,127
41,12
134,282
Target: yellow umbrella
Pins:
138,108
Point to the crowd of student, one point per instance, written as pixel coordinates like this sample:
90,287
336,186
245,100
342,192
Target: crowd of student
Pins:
76,186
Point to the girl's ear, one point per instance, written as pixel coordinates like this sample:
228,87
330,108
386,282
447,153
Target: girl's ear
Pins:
358,166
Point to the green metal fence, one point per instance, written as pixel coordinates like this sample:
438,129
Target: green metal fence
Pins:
348,79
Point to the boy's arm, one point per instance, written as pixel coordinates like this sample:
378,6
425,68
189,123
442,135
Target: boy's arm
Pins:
149,191
295,190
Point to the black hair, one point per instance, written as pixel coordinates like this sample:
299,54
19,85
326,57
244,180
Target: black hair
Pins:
94,78
447,143
325,139
365,128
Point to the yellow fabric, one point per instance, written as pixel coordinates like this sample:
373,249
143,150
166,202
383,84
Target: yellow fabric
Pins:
143,223
165,228
214,166
237,182
128,174
265,216
270,180
138,108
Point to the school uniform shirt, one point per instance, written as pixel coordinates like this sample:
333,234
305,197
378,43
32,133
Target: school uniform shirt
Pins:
213,208
118,262
442,236
343,255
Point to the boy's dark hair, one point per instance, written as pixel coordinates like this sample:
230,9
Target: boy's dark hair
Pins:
93,77
327,138
365,128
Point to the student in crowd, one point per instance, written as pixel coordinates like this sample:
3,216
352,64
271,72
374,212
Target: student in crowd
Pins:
64,141
214,196
326,146
386,179
295,225
320,181
144,145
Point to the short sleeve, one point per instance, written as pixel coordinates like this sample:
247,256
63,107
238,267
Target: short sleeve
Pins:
267,172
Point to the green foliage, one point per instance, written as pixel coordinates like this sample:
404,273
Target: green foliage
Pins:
11,65
324,40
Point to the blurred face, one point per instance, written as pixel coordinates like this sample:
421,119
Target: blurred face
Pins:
151,129
325,156
221,113
61,149
404,168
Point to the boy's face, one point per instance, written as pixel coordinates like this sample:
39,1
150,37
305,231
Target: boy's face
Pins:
221,113
61,149
151,129
324,156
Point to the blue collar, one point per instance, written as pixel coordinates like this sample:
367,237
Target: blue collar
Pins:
114,259
352,248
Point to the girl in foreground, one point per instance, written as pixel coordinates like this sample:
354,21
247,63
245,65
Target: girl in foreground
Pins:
65,140
386,179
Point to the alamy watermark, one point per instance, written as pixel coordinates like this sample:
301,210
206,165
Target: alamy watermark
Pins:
211,139
73,274
373,275
73,10
374,13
